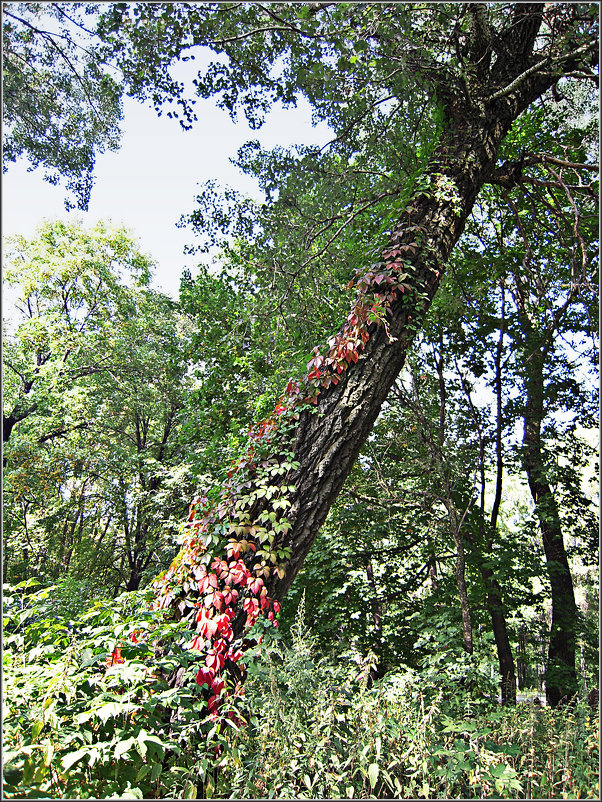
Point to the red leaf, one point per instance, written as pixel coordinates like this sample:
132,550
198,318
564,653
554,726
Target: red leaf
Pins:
115,657
215,661
205,676
254,585
207,626
250,606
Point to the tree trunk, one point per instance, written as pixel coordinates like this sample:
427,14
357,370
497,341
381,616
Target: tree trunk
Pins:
561,677
462,591
500,633
327,443
494,593
133,582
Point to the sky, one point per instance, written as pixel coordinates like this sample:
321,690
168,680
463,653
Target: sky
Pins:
153,178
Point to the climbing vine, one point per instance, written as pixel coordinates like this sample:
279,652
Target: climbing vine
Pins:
234,543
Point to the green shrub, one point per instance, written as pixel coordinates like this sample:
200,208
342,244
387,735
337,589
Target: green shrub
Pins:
79,723
320,732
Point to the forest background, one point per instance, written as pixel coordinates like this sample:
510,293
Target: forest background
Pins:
459,561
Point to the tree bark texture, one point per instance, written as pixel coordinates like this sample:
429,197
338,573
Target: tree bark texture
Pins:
325,441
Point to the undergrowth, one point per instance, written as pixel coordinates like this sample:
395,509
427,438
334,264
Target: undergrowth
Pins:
79,724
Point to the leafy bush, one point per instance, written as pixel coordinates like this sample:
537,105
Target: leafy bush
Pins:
320,732
88,708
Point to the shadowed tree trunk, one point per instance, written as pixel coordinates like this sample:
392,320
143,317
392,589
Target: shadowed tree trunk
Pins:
561,678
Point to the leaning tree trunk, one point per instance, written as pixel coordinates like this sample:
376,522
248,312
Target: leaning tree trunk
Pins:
561,678
263,524
328,443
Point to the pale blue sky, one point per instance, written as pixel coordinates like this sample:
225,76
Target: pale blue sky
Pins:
153,178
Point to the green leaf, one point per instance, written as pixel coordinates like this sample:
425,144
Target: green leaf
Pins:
123,746
48,752
29,768
72,758
141,744
373,774
189,791
112,710
132,793
144,770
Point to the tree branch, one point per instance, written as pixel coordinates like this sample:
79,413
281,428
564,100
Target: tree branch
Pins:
546,62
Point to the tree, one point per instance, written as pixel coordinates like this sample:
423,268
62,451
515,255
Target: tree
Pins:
96,387
457,445
524,277
453,78
541,306
62,105
504,60
70,285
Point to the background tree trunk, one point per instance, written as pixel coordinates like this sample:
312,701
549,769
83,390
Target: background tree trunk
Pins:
561,678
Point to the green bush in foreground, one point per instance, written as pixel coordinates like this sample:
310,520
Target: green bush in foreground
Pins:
77,728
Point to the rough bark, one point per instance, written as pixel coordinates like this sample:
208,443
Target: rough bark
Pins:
478,111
